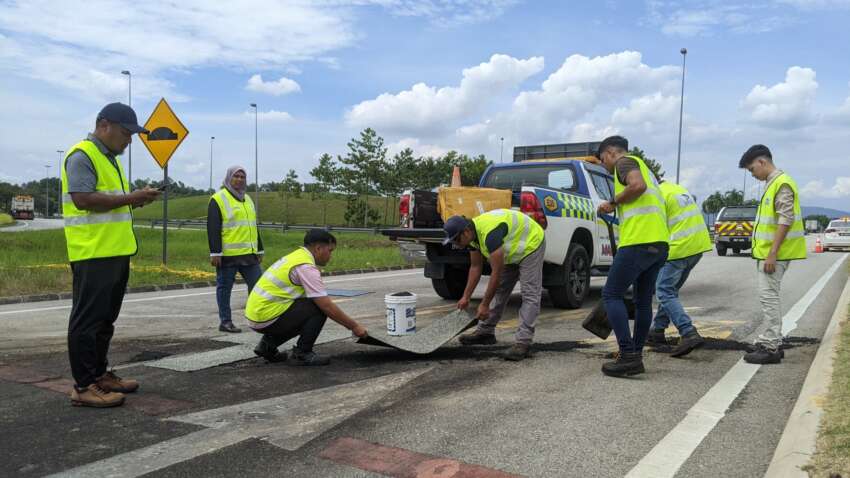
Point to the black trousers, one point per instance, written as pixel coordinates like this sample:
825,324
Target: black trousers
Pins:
303,319
99,286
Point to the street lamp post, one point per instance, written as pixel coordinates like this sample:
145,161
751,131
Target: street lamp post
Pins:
211,162
61,167
684,52
744,192
46,191
130,104
501,148
256,169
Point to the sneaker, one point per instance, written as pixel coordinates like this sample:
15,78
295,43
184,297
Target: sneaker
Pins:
627,364
268,351
229,327
94,396
113,383
688,344
297,357
754,347
518,352
656,338
763,355
477,338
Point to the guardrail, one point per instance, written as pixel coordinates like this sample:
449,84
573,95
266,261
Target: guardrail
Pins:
195,224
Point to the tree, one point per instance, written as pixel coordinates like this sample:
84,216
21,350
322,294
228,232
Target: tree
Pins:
717,201
360,169
823,221
289,187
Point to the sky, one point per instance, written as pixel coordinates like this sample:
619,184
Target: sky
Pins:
437,75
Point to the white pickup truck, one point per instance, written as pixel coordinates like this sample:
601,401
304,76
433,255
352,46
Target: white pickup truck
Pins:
561,195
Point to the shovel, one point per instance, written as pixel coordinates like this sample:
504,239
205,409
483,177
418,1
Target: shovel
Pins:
596,321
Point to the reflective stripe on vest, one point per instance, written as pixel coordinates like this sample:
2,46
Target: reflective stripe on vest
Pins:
93,235
794,245
524,234
274,293
688,232
238,224
643,220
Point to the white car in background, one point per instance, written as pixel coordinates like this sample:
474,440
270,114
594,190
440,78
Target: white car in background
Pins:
837,234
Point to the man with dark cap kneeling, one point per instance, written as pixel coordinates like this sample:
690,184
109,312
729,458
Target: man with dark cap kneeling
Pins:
290,300
514,244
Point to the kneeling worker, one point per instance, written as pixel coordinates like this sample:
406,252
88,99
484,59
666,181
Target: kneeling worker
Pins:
688,240
290,300
514,245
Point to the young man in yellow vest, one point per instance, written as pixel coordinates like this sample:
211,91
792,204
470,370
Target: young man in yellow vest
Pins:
514,244
688,240
642,251
96,203
778,239
234,241
290,300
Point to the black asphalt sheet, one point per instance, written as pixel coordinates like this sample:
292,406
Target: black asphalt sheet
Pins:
427,339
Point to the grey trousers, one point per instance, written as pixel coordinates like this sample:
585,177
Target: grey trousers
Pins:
529,273
771,309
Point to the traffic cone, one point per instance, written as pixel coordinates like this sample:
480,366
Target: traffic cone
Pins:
456,177
818,246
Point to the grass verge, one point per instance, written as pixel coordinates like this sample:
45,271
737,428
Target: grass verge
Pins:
6,220
35,262
832,455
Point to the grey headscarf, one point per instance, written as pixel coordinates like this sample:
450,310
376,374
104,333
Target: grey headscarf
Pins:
237,193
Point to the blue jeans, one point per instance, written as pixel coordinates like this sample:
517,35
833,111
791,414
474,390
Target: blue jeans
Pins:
635,266
671,278
224,278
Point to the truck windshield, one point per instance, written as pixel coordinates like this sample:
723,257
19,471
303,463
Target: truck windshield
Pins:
554,176
738,214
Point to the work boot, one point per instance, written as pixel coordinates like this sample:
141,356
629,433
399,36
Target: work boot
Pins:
627,363
754,347
113,383
309,359
268,350
478,338
688,344
763,355
94,396
656,338
518,351
229,327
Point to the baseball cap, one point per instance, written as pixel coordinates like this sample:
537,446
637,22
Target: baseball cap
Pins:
453,227
123,115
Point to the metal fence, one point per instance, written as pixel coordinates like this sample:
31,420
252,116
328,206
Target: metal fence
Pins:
196,224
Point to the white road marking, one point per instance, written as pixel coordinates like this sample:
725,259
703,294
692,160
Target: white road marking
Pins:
665,459
288,421
195,294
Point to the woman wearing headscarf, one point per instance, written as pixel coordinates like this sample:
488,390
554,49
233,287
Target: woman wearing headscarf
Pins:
234,239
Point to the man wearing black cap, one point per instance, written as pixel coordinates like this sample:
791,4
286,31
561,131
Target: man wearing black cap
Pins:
515,246
96,205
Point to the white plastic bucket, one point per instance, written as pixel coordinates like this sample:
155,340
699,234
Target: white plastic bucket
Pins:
401,314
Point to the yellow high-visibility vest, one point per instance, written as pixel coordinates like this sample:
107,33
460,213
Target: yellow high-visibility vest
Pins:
794,245
274,293
524,234
688,232
90,234
644,220
238,224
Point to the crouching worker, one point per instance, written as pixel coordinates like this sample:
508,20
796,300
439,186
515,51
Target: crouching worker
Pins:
514,245
290,300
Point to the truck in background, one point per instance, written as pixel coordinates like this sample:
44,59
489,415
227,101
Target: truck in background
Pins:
23,207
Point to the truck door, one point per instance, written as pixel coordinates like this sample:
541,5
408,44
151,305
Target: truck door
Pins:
604,187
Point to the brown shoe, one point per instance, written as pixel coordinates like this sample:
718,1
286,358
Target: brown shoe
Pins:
477,338
113,383
518,352
94,396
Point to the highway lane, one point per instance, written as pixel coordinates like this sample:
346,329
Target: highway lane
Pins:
552,415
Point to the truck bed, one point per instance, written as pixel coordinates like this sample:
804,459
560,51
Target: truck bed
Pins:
417,234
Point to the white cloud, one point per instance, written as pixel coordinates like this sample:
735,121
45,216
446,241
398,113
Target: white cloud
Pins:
283,86
786,105
817,188
444,14
711,17
418,148
270,115
426,109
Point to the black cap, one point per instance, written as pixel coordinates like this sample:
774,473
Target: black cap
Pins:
756,151
616,141
123,115
453,227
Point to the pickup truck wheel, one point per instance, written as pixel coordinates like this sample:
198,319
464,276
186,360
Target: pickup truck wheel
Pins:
721,250
451,286
577,270
736,251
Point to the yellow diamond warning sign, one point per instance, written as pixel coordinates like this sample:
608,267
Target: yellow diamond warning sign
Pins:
166,133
